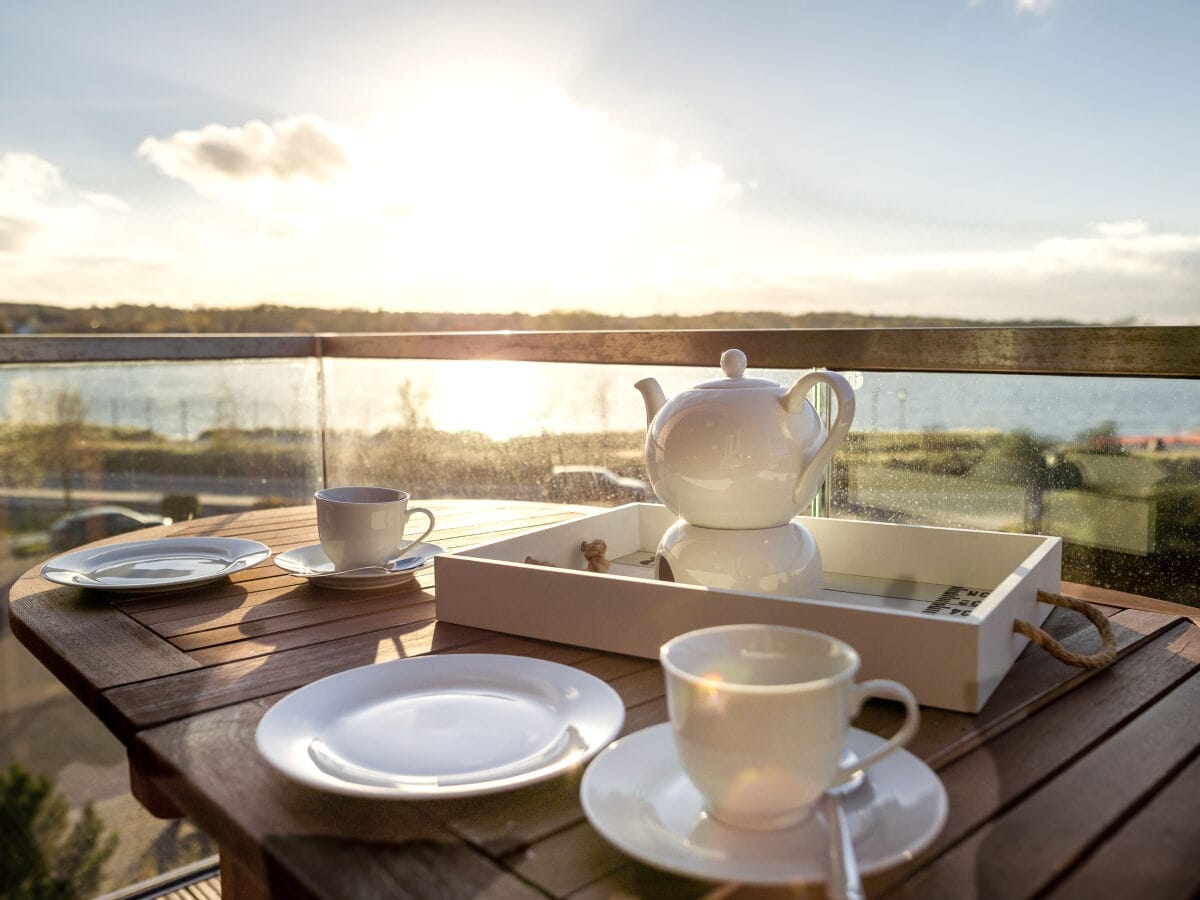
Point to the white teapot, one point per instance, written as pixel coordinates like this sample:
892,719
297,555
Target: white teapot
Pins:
741,452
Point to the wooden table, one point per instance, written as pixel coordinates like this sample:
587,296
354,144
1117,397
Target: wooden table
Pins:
1069,784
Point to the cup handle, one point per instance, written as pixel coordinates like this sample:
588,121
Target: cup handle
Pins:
887,690
424,534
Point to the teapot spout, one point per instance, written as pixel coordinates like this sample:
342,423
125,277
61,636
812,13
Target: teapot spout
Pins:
653,394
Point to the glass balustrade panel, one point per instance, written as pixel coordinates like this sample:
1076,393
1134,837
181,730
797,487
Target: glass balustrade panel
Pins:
87,451
1112,465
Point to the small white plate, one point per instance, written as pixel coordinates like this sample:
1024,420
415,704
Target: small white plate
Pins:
140,567
637,796
457,725
309,562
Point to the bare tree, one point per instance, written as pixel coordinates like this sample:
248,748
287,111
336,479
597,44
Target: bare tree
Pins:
45,436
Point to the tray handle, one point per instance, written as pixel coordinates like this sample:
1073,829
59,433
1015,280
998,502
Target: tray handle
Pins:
1098,660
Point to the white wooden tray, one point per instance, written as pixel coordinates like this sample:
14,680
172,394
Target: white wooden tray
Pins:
930,607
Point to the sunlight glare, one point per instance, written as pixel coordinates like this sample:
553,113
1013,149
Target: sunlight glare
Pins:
498,399
495,182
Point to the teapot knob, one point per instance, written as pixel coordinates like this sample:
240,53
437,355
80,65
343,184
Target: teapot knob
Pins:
733,363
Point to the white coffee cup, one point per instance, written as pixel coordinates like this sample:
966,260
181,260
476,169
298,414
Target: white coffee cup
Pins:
760,715
364,526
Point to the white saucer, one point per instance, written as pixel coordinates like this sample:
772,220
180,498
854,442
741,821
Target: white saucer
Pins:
144,567
636,795
457,725
308,562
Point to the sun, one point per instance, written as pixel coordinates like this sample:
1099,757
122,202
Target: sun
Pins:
497,184
504,184
499,399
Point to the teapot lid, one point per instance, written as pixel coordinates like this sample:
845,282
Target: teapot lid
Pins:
733,364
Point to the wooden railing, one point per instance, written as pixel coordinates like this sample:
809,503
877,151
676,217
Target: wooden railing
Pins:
1137,351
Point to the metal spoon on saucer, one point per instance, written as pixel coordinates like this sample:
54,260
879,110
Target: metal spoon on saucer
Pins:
402,564
845,883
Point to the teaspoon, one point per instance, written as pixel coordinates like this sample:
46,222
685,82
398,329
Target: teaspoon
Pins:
845,882
404,564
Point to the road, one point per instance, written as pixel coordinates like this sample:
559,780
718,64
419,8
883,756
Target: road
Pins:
145,491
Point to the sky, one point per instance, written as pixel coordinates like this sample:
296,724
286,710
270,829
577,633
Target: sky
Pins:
987,159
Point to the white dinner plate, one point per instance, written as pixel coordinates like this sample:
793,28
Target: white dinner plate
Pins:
139,567
440,726
311,562
637,796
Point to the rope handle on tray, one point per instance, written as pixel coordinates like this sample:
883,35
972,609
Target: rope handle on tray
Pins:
1096,660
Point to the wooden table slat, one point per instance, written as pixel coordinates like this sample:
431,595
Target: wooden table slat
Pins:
1142,859
279,598
349,608
420,867
1029,845
566,861
87,643
1019,760
636,880
134,707
391,619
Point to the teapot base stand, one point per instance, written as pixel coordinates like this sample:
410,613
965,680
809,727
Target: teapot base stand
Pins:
783,560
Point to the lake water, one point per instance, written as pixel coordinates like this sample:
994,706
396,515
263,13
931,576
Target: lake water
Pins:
505,399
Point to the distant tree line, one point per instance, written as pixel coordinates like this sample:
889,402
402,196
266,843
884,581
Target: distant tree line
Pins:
128,318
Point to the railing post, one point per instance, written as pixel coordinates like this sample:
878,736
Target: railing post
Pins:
322,417
823,407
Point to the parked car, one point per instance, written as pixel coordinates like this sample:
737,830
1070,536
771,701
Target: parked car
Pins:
591,484
98,522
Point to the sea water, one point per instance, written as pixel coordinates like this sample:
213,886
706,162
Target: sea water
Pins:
508,399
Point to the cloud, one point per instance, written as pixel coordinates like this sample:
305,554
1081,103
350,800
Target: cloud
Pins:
1121,229
302,148
36,202
481,157
1107,272
24,177
35,187
1034,7
15,234
104,201
473,183
1028,7
482,200
26,181
52,229
1123,248
481,191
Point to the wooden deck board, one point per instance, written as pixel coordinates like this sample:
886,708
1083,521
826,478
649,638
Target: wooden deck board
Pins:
208,889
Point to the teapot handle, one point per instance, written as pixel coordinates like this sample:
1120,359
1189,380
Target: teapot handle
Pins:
814,473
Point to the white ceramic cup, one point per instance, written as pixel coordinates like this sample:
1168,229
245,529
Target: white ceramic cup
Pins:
364,526
760,715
